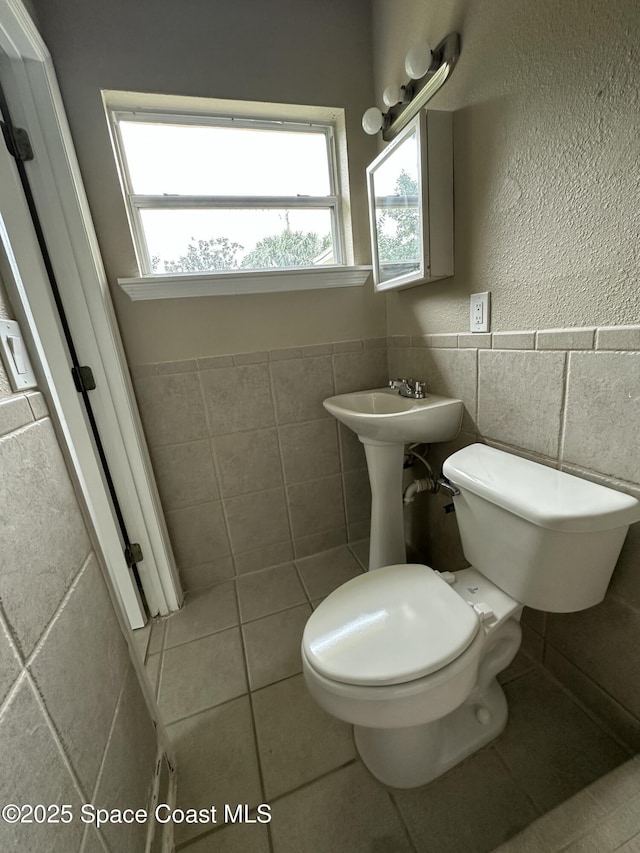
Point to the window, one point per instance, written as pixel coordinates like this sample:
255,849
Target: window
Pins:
229,193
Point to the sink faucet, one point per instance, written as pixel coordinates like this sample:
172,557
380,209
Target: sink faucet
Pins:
409,388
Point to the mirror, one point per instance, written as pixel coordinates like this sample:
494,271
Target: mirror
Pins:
411,205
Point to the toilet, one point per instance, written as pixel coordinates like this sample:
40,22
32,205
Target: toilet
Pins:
410,656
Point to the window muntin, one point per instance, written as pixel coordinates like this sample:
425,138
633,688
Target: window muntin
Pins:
214,194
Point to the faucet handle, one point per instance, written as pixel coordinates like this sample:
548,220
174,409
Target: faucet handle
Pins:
418,388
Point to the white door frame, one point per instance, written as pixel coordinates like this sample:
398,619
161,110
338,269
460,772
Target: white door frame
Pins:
35,103
21,262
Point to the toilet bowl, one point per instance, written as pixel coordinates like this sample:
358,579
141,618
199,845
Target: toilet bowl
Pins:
410,656
414,647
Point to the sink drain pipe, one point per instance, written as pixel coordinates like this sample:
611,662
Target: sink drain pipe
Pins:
425,484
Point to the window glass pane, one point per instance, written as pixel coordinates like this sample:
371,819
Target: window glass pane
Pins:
166,159
185,241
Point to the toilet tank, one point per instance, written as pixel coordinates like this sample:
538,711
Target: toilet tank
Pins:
548,539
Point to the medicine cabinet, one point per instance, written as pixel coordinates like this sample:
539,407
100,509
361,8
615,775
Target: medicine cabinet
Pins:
410,187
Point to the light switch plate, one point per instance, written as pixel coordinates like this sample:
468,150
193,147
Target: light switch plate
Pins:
15,356
480,312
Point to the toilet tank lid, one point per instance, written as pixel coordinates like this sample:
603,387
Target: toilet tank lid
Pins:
545,497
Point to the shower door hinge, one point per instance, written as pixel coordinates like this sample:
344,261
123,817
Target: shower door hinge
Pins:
83,378
133,554
17,141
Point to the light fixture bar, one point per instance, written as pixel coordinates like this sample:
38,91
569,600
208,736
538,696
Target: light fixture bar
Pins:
445,56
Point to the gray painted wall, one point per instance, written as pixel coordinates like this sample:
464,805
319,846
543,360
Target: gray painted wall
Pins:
285,51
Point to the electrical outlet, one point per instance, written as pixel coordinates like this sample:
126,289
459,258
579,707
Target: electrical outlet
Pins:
479,312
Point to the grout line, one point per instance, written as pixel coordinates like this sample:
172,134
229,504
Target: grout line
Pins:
280,610
586,709
96,834
110,735
355,555
245,657
212,435
304,585
66,759
503,761
164,633
63,603
392,796
310,782
216,471
12,641
26,660
161,668
201,637
235,698
588,712
21,430
343,472
145,653
281,458
208,833
12,691
200,711
563,406
256,745
284,678
239,624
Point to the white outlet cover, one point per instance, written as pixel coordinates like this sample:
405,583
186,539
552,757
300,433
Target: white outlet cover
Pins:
480,312
15,356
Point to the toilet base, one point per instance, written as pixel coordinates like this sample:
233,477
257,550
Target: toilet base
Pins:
412,756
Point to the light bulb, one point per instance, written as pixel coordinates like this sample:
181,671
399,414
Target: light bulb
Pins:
372,121
392,95
418,60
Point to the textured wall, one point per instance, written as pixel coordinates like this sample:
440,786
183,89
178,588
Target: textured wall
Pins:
547,191
251,469
287,51
74,726
571,400
547,202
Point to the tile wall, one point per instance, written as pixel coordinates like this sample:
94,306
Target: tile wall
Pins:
568,398
251,469
74,726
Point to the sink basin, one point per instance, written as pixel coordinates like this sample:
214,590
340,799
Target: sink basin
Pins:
383,415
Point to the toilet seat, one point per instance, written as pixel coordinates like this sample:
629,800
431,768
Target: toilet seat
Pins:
390,626
393,705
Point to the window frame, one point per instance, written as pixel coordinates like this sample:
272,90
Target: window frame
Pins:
135,202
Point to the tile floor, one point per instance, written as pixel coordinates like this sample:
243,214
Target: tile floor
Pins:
226,671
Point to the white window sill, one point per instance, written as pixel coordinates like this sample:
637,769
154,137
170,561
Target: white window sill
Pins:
241,282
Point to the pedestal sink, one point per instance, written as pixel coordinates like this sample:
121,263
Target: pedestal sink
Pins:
384,422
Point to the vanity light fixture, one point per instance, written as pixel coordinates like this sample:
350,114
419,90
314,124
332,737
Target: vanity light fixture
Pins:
429,71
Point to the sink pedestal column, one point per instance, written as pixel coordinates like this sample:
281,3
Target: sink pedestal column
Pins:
384,460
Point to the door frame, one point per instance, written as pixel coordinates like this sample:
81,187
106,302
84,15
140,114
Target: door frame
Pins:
35,102
21,262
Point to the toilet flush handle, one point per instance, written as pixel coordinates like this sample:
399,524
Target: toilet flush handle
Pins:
443,483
